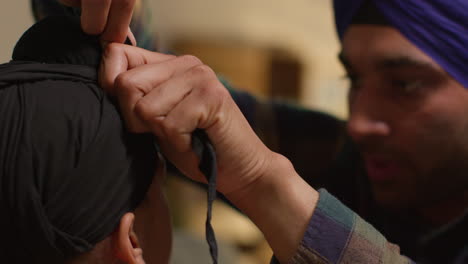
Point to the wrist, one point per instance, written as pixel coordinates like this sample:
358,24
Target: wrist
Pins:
264,180
281,204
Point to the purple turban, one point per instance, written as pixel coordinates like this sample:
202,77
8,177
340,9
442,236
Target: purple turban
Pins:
437,27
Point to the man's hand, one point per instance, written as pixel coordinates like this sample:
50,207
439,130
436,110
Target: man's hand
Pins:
171,97
108,18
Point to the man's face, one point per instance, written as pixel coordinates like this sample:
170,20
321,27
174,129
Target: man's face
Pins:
408,117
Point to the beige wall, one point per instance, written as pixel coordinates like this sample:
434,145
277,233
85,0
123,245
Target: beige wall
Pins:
305,27
15,18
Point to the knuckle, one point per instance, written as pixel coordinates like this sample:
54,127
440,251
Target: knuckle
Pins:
190,60
212,88
221,92
113,48
205,89
201,70
131,83
121,80
143,109
125,82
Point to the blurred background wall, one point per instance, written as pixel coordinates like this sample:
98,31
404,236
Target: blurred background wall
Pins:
15,18
304,29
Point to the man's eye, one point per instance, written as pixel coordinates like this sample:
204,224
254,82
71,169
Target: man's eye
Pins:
407,86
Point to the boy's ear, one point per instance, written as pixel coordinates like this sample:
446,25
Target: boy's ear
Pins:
125,241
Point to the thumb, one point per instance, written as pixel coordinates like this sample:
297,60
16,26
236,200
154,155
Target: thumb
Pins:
119,58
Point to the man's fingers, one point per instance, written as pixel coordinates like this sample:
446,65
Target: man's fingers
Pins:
174,133
200,108
152,75
94,15
119,58
180,105
180,122
120,15
160,101
146,89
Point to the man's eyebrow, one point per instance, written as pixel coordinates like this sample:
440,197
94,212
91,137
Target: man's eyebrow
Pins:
392,62
395,62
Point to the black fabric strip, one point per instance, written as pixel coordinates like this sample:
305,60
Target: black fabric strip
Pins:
205,151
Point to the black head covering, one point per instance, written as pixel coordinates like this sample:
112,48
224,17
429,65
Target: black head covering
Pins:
68,169
58,40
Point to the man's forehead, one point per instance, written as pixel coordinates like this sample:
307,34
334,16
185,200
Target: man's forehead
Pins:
438,27
383,47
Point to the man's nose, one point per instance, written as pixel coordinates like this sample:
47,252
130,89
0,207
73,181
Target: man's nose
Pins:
366,120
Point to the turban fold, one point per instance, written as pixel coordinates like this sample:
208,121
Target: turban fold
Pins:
437,27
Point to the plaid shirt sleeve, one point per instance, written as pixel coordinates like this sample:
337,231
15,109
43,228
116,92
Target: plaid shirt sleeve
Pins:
141,23
336,234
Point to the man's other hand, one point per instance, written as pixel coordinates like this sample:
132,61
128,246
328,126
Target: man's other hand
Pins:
108,18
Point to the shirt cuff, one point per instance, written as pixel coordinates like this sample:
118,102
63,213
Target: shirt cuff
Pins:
336,234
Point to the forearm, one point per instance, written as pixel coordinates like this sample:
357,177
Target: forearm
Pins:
281,204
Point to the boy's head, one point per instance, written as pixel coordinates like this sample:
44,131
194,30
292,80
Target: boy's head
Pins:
72,178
